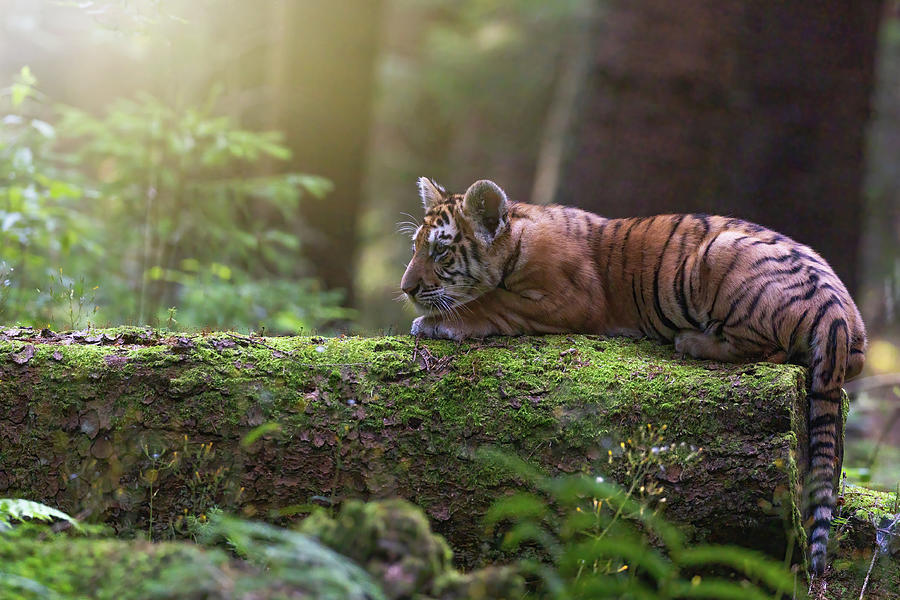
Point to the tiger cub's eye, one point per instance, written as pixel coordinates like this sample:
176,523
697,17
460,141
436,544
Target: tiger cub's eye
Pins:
439,249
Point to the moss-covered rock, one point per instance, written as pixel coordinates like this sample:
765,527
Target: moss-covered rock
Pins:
146,430
328,560
34,567
393,541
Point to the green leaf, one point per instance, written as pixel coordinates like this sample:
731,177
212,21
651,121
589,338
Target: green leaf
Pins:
44,128
528,531
717,589
519,506
747,562
610,586
61,189
513,465
632,552
17,509
23,87
11,582
294,557
258,432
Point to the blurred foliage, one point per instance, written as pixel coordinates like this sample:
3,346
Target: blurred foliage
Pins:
374,550
117,219
879,299
603,542
37,562
393,541
464,93
287,556
126,15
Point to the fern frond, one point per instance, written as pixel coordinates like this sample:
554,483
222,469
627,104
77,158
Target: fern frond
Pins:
17,509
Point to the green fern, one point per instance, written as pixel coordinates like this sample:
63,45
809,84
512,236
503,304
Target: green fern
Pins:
289,556
595,539
17,509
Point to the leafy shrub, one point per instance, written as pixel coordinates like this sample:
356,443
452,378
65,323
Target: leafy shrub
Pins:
600,542
116,218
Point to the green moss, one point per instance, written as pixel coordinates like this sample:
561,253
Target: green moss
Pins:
393,541
866,504
101,569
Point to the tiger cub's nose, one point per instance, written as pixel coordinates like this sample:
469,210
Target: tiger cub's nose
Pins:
410,290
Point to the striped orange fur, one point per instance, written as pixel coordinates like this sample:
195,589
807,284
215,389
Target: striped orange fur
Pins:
718,288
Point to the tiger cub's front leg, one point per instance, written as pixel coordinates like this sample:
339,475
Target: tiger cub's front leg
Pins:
454,329
435,327
439,328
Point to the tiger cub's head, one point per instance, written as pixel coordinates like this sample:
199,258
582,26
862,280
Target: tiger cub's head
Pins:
458,251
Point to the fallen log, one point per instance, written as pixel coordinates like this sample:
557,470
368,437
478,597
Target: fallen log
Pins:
145,430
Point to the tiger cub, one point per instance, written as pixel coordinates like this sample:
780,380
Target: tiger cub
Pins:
719,288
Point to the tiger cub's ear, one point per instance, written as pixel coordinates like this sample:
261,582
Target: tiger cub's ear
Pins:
485,205
431,192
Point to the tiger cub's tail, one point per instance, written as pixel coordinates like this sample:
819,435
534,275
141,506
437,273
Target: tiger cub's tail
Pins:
830,346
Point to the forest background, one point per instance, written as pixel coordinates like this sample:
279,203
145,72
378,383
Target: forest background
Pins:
218,164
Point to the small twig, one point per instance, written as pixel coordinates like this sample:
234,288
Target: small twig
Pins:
862,592
873,382
257,342
840,508
888,426
888,531
533,450
422,352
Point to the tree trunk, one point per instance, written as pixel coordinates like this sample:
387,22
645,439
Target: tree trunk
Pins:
751,109
139,429
322,69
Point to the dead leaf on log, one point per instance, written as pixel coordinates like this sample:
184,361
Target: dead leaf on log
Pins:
222,344
102,448
24,355
113,360
90,424
183,343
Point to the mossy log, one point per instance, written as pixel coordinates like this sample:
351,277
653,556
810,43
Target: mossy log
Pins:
143,430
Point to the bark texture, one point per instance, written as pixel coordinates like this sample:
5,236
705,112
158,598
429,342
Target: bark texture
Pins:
751,109
143,430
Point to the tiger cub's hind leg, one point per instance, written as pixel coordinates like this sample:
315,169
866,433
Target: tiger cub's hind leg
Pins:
707,346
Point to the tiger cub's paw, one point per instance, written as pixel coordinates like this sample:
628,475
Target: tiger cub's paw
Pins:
691,343
430,327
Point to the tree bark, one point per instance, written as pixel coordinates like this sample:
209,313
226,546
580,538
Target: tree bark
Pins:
139,429
750,109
